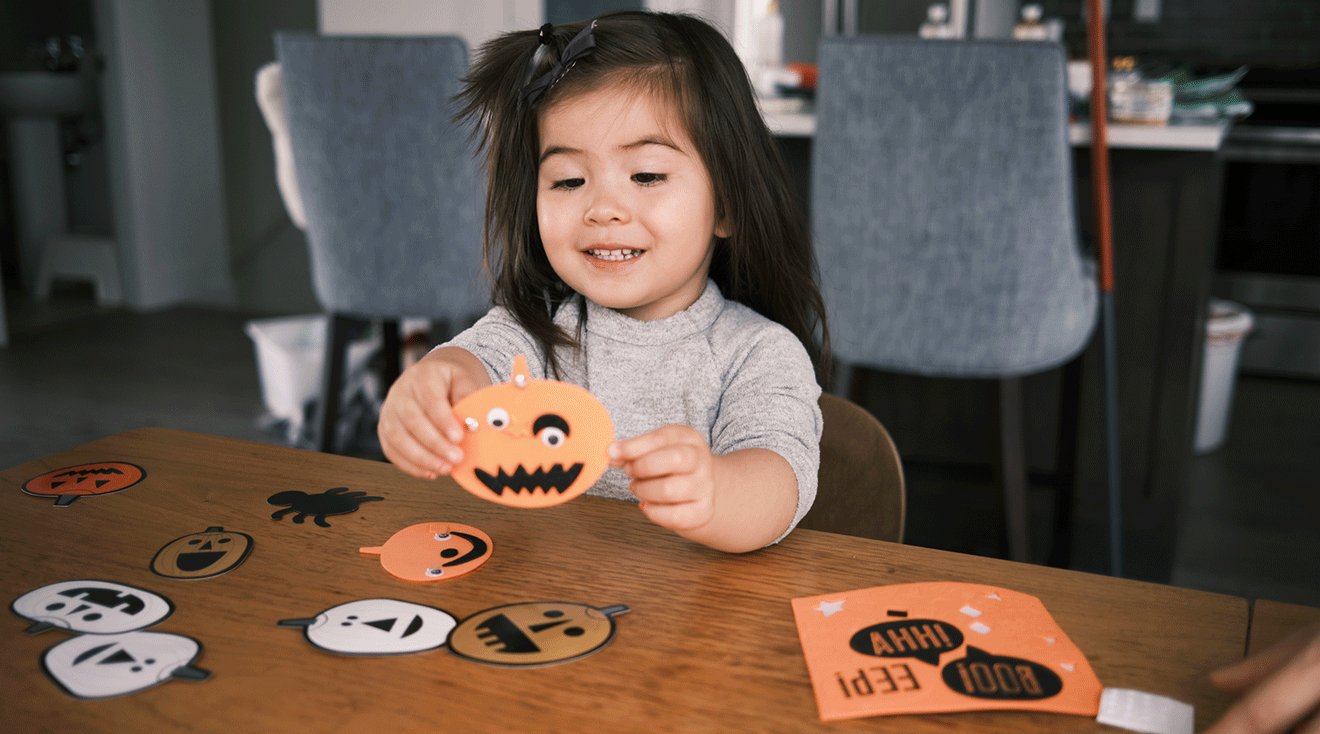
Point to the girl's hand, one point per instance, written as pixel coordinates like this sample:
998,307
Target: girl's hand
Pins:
672,471
418,430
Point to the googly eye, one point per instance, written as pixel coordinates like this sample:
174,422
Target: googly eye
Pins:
472,424
498,418
442,536
552,437
435,572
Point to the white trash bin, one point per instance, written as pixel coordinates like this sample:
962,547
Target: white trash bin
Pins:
1226,326
291,362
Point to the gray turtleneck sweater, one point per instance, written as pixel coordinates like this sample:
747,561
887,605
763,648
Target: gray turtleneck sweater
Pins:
739,378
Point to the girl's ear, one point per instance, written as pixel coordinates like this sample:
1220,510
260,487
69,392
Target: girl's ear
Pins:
722,228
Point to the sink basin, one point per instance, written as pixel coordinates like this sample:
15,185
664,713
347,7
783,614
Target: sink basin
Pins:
47,94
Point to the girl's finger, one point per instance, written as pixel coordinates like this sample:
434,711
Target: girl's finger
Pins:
676,516
666,461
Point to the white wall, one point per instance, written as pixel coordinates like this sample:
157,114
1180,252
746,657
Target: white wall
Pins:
162,134
474,21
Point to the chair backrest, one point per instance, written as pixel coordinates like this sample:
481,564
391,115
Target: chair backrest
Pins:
942,207
392,193
861,490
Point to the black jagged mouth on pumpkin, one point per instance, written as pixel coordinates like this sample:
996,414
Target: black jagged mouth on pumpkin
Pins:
555,478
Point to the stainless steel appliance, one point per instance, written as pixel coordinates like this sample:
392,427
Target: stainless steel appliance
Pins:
1269,249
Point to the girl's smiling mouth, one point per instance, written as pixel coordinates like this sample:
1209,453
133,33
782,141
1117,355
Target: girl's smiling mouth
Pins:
615,255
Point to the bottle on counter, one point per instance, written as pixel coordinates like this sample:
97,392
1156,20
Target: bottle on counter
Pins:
937,23
1136,100
768,52
1031,28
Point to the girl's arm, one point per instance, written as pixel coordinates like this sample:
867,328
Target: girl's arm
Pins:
736,502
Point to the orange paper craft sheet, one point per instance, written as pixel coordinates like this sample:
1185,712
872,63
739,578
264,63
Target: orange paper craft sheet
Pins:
940,647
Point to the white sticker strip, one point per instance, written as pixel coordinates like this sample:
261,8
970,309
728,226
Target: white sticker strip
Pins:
971,611
1144,712
982,628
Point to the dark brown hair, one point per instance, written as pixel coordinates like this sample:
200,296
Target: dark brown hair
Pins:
767,262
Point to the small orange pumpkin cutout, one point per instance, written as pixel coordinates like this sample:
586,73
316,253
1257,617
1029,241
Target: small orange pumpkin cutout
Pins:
72,482
202,555
532,443
433,551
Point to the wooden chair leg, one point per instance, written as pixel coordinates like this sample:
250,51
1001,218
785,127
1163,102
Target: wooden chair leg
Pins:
339,328
393,348
1065,463
1013,467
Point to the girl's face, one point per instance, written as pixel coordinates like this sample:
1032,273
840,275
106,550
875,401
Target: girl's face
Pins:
624,203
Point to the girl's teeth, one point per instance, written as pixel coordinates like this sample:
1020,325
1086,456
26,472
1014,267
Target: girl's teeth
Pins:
615,254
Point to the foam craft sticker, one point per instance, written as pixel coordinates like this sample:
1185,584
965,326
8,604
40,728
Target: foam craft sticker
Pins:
433,551
104,666
202,555
532,443
72,482
376,627
337,501
534,633
938,647
92,607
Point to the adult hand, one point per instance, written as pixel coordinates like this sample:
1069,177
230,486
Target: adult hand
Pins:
1282,685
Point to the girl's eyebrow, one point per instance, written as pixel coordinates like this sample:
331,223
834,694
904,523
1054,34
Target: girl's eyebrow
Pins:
565,150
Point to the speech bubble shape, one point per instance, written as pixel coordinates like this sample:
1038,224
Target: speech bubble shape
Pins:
1000,677
93,607
104,666
923,639
376,627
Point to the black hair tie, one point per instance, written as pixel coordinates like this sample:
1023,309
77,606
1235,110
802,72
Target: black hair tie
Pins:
583,44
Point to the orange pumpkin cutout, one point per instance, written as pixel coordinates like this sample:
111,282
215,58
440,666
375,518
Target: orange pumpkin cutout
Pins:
202,555
70,483
532,443
433,551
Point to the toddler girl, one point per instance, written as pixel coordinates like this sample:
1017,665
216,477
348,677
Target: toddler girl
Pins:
646,247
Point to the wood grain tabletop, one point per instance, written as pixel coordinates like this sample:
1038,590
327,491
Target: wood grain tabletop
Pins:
709,643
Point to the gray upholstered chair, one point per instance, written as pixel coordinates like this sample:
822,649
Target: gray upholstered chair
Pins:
861,489
392,193
942,211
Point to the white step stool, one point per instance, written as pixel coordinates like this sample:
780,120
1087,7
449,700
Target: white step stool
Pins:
68,256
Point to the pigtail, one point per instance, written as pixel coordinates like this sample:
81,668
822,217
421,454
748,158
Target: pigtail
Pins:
504,126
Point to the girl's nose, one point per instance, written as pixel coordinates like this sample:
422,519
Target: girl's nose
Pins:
606,207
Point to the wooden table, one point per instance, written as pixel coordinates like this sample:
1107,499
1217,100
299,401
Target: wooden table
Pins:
709,645
1272,621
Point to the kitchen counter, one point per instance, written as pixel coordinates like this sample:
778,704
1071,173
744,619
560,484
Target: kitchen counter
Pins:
792,119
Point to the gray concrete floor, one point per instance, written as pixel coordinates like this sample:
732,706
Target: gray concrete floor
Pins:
1250,524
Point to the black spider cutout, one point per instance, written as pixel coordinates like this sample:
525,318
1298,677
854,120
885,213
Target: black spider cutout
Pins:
329,502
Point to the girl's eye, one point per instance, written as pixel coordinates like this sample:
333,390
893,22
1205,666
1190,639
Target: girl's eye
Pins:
648,179
498,418
568,184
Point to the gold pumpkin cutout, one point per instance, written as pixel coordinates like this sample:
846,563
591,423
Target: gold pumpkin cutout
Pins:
202,555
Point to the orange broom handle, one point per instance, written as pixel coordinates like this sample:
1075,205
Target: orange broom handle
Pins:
1095,38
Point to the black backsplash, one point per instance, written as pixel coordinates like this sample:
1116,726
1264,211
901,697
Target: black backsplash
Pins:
1215,34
